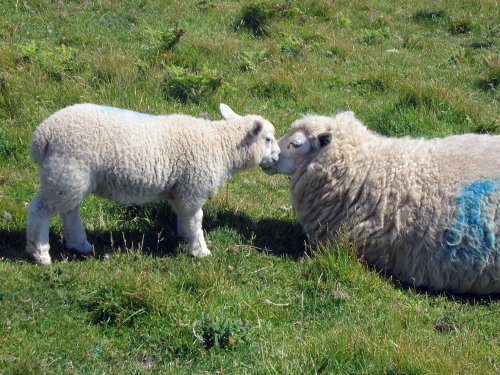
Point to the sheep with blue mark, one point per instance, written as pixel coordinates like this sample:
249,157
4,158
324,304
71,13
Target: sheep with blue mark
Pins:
133,158
424,211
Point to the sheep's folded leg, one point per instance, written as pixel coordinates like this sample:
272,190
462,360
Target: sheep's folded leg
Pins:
74,232
37,231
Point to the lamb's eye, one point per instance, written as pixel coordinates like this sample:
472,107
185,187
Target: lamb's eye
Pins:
295,144
269,139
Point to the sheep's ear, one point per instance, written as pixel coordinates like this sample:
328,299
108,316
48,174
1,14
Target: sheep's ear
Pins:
325,139
227,113
256,128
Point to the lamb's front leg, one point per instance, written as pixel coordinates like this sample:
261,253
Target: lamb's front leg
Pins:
189,221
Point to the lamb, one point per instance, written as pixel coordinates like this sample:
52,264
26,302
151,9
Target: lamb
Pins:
134,158
425,211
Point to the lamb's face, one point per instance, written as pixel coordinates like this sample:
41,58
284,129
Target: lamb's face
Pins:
304,141
261,139
269,148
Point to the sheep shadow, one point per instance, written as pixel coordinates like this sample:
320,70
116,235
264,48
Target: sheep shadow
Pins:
464,298
468,299
159,239
12,244
277,237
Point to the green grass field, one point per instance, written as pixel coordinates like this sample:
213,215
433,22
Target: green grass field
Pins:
266,302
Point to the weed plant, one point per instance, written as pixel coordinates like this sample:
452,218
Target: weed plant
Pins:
255,17
183,85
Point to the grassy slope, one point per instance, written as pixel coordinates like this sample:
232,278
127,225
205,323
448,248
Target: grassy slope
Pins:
260,305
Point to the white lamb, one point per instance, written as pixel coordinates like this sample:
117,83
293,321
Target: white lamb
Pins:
134,158
425,211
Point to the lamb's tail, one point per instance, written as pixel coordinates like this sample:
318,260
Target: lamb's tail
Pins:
39,144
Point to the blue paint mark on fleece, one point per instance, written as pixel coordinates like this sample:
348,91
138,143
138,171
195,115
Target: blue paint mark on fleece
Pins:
136,115
469,237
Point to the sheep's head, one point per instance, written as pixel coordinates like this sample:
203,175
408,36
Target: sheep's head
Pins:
306,139
260,138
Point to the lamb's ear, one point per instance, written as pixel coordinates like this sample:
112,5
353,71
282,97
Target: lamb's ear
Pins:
256,129
325,139
227,113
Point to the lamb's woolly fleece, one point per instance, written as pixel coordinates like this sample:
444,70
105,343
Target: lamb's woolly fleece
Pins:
133,158
425,211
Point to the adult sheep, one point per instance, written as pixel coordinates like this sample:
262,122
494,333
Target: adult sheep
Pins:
425,211
134,158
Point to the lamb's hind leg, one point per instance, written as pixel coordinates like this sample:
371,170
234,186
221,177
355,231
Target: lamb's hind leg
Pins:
189,221
37,230
64,183
74,232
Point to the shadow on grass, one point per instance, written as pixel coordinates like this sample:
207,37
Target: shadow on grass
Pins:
273,236
460,298
283,238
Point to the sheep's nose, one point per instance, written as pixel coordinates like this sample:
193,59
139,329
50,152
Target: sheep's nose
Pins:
275,158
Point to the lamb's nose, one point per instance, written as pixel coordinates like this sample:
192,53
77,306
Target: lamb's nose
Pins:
275,158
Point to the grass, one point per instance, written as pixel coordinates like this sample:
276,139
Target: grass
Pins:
266,302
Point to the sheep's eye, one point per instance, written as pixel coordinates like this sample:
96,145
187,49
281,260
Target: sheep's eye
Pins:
295,144
269,139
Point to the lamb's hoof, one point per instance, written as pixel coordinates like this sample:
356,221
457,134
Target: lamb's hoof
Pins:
84,248
200,253
38,253
43,259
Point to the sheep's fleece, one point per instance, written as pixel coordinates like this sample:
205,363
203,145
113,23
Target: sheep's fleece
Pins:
425,211
133,158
